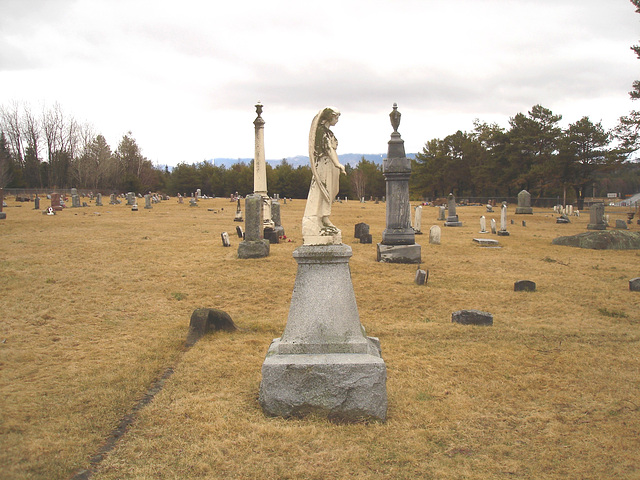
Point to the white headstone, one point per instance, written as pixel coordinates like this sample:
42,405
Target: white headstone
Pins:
434,235
494,229
417,223
483,224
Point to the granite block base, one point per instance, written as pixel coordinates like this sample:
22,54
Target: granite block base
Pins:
399,253
342,387
524,210
253,249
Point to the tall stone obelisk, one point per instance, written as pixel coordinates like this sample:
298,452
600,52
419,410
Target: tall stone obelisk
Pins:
398,239
260,170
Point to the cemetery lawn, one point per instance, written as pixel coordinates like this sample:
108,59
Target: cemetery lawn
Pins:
95,305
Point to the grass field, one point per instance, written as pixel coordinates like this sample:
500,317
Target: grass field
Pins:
95,305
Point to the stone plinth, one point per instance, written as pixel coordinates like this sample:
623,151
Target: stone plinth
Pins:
324,363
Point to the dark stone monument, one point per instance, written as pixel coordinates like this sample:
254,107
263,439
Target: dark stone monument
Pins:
254,245
36,203
452,218
634,284
472,317
524,286
99,200
204,320
275,217
360,230
3,215
55,202
596,217
621,224
398,239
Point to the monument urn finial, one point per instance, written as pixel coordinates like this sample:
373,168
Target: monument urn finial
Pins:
259,120
395,118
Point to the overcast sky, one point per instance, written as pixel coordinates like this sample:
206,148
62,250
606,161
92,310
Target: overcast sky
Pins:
184,76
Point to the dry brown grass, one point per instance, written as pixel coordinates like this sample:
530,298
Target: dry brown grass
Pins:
95,307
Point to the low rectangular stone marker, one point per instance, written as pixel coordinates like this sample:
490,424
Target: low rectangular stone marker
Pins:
421,277
472,317
484,242
524,286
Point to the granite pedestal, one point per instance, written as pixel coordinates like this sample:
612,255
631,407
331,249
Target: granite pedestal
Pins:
324,363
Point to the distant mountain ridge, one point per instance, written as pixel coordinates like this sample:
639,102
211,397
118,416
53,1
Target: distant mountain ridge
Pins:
301,160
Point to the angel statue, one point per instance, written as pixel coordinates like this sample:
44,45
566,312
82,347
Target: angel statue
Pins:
317,229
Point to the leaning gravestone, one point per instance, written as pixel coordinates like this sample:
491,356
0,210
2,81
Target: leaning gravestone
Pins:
239,231
452,218
494,228
225,239
323,363
254,245
434,235
634,284
398,238
596,217
204,320
524,203
421,277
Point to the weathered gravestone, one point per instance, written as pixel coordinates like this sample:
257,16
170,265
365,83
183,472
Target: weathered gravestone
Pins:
621,224
494,228
99,200
503,221
3,215
634,284
239,231
596,217
131,198
483,225
398,238
417,223
254,245
472,317
361,232
204,320
421,277
238,217
147,202
524,286
225,239
276,219
36,203
435,233
323,363
441,212
489,208
524,203
452,218
75,198
55,202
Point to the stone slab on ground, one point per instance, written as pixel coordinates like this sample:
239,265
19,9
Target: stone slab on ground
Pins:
472,317
486,242
602,240
399,253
